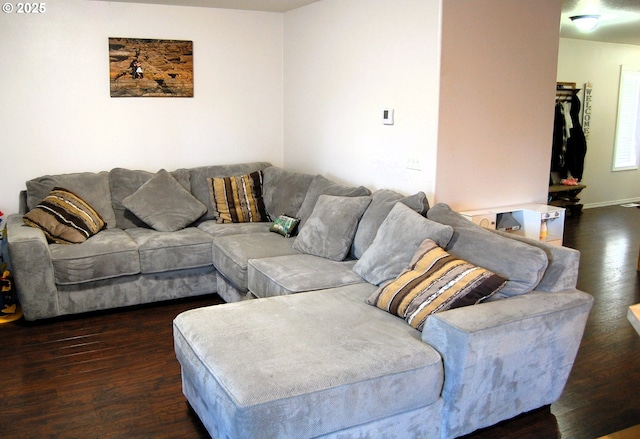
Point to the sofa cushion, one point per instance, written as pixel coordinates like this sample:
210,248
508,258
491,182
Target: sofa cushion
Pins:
282,275
396,241
284,191
322,186
200,187
382,201
285,225
522,264
329,230
357,364
91,187
231,254
164,204
125,182
433,282
216,230
561,273
64,217
238,199
167,251
109,254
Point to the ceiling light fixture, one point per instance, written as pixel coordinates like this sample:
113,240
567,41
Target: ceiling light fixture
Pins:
585,22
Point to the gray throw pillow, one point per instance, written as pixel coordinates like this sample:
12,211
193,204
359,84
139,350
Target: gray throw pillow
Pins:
330,229
382,201
124,182
323,186
397,240
522,264
164,204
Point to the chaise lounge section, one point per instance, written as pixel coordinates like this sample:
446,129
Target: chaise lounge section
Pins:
313,359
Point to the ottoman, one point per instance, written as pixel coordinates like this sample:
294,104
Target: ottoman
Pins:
316,364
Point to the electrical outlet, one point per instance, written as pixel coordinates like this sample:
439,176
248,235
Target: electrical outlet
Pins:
414,162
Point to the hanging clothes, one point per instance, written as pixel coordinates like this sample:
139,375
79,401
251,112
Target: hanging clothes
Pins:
576,149
557,153
569,143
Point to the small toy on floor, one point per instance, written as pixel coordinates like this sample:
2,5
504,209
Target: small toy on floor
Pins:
6,290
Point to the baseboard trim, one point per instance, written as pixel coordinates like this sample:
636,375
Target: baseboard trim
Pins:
611,203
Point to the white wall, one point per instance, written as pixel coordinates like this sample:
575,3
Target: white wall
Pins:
497,91
347,60
57,116
582,61
304,90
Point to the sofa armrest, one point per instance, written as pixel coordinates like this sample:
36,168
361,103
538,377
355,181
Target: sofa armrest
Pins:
32,269
506,357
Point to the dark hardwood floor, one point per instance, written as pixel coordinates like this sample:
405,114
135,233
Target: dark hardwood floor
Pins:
114,374
602,395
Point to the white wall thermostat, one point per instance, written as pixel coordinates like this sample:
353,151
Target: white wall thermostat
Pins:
387,116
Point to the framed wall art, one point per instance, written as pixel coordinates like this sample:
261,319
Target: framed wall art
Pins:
140,67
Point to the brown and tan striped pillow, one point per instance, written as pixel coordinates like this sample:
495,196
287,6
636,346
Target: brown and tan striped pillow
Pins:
238,199
435,281
65,218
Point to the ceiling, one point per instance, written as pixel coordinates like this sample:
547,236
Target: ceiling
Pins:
619,19
253,5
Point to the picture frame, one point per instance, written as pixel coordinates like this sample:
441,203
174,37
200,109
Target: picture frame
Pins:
144,67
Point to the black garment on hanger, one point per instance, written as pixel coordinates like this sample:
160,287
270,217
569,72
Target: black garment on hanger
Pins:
557,152
576,149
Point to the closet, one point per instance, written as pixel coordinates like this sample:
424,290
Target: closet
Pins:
568,151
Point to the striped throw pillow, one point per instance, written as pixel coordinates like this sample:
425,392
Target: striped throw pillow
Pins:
64,217
435,281
238,199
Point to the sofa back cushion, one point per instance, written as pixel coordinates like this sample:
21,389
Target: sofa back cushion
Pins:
330,229
92,187
284,191
323,186
564,262
201,189
396,241
522,264
125,182
382,201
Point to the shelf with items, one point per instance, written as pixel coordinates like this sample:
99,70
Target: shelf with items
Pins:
565,91
566,196
536,221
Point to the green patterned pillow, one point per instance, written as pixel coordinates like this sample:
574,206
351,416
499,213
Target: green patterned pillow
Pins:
65,218
435,281
284,225
238,199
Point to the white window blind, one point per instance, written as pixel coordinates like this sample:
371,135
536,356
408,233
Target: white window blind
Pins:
627,145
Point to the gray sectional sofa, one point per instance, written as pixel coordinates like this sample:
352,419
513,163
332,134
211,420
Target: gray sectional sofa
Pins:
356,326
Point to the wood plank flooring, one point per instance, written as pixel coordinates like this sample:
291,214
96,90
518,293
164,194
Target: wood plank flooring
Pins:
114,374
602,395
